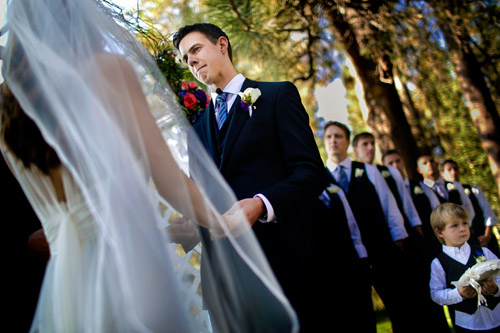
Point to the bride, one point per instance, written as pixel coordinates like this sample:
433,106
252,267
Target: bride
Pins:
89,128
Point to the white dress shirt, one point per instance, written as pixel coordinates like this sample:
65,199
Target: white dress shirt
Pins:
490,219
431,195
353,227
408,206
463,197
390,208
484,318
233,88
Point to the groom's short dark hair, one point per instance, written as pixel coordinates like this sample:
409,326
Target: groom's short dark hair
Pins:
211,31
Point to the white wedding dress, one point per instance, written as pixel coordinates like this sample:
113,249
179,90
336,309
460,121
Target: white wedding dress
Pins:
80,289
100,101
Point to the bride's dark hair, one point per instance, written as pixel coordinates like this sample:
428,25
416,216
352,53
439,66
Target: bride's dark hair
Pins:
20,133
22,136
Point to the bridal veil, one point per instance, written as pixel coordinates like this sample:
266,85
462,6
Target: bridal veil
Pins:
57,62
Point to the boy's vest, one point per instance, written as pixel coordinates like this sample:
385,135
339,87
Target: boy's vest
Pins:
454,270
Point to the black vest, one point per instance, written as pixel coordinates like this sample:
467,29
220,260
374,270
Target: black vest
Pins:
424,209
393,186
221,135
453,194
365,204
478,227
338,227
454,270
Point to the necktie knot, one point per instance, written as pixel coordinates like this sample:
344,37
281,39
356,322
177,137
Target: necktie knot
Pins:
221,98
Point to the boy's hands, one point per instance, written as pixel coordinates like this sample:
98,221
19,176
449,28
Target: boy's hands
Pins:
467,292
489,287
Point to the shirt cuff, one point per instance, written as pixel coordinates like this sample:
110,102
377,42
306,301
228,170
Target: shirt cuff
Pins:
269,216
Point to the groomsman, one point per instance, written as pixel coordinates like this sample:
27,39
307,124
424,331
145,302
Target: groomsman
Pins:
424,199
26,250
424,202
351,267
266,151
444,190
484,220
364,149
379,220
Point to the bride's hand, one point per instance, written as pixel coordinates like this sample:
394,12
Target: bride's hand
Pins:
184,232
235,222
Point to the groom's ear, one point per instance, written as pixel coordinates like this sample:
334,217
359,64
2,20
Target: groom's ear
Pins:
223,43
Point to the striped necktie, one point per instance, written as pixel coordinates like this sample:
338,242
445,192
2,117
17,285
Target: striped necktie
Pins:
341,177
221,109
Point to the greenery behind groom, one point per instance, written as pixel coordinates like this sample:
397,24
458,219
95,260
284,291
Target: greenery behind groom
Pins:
268,157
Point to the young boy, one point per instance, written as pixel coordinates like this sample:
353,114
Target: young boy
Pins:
449,222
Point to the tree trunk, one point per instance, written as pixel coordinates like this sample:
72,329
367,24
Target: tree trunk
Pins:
380,92
482,108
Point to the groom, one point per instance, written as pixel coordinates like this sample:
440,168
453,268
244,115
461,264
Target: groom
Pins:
267,154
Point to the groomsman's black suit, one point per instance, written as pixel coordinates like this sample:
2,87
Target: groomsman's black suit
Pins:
274,153
23,269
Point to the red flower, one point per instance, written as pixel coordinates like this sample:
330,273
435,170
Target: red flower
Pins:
208,100
184,85
192,85
190,100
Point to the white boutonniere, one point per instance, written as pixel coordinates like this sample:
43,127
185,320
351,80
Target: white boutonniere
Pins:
480,259
385,173
248,98
358,173
418,190
467,191
451,187
334,189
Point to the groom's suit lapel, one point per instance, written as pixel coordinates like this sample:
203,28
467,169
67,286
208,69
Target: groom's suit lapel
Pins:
238,119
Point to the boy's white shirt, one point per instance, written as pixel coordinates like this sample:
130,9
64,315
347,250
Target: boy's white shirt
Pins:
484,318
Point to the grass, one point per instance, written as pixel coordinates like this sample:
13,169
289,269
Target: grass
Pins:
383,322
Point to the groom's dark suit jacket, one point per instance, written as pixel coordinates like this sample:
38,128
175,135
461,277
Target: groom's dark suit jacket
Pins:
274,153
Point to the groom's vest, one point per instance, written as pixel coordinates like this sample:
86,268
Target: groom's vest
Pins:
221,134
367,209
454,270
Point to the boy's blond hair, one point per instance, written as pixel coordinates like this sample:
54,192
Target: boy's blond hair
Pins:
447,213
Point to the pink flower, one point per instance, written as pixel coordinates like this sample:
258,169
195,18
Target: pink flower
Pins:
184,85
192,85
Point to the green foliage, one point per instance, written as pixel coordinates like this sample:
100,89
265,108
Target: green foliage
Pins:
189,92
294,40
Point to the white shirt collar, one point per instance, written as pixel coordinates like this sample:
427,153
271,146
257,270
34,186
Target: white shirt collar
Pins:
461,254
331,165
233,87
429,182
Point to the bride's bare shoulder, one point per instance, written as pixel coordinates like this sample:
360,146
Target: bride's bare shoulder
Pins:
110,62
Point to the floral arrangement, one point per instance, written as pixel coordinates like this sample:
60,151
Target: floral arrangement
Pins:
451,187
248,98
418,190
194,99
333,189
358,173
386,174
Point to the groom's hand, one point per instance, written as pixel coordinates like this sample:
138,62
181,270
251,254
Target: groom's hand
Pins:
253,208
